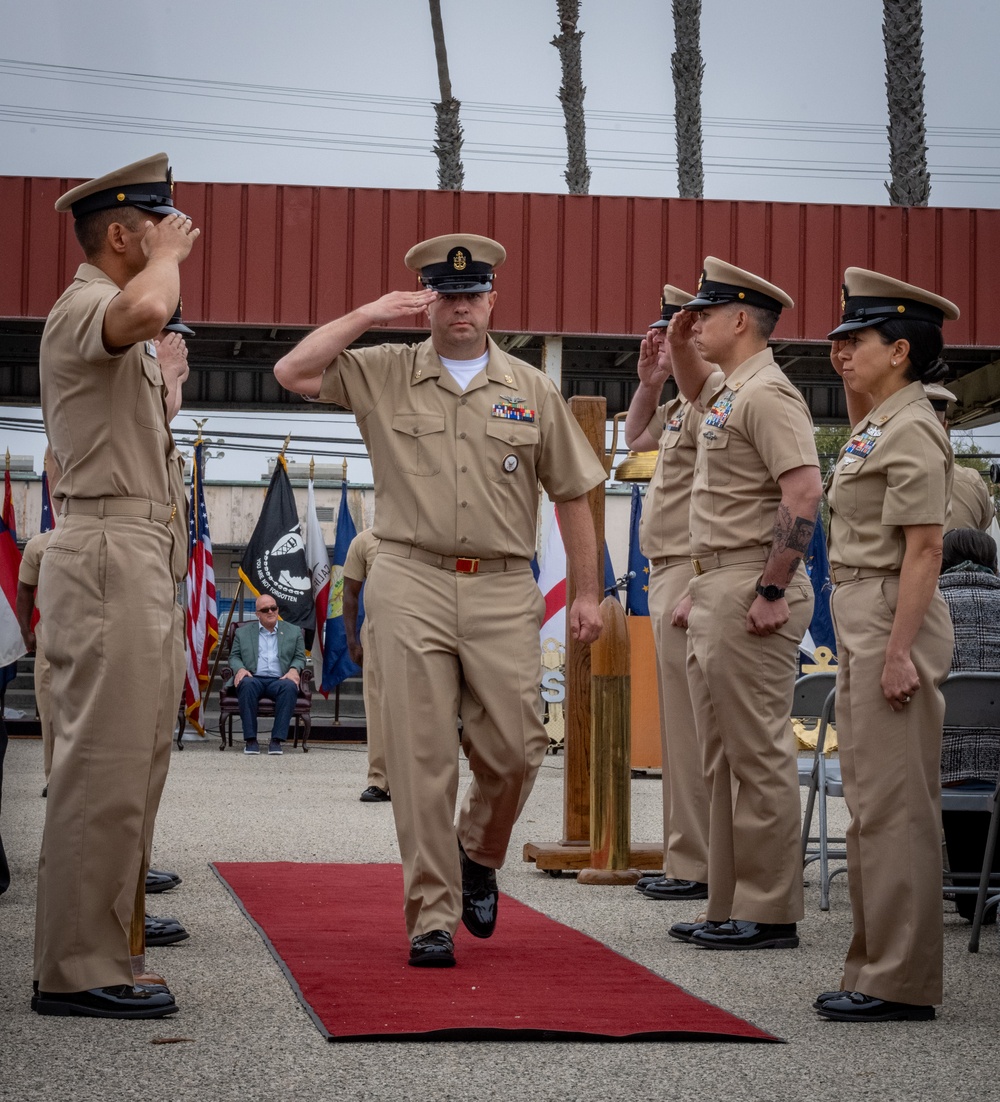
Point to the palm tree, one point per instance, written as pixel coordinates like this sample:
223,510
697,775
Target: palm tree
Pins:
902,30
571,93
688,68
448,128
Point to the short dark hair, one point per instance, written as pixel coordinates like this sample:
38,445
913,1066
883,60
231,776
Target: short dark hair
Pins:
968,545
92,229
764,320
926,345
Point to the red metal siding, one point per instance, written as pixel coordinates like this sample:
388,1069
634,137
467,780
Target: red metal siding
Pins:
291,256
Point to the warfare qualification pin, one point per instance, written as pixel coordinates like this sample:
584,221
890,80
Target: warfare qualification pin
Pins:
510,463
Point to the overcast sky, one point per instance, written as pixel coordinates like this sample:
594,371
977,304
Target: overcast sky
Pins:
339,93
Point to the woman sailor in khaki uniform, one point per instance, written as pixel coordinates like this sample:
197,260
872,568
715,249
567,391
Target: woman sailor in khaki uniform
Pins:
888,500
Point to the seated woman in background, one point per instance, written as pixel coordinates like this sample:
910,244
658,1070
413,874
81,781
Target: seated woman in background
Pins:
970,758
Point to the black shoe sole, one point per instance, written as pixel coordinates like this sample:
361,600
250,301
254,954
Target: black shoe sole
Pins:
916,1014
168,939
674,897
773,943
73,1010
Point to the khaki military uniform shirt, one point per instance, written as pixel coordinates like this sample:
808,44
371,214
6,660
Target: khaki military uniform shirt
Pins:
360,556
971,505
663,530
756,426
31,558
457,472
107,424
895,470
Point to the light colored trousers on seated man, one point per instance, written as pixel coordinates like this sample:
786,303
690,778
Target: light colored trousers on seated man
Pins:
441,638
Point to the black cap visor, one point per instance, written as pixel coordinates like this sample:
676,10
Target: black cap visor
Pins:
866,313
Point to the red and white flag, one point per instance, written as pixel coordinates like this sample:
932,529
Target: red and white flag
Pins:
552,583
318,562
202,619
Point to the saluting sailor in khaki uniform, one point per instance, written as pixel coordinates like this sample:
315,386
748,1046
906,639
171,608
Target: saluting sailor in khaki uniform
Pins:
109,578
971,505
753,509
672,429
888,500
460,434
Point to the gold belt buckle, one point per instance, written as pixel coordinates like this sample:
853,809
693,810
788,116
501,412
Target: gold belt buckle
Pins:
697,566
466,566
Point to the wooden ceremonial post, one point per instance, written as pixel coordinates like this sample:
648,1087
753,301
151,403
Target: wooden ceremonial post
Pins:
574,851
610,753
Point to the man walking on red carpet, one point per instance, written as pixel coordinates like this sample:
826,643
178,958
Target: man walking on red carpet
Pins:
460,434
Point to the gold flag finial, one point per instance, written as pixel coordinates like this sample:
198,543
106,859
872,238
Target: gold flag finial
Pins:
199,425
7,462
312,468
345,469
284,447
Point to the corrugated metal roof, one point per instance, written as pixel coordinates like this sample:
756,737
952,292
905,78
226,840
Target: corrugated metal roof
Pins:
296,256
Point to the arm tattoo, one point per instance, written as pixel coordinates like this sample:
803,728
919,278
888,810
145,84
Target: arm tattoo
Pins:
791,535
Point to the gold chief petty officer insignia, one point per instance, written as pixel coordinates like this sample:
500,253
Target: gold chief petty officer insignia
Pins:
459,261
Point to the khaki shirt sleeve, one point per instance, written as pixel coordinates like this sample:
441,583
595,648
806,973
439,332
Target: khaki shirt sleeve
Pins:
657,422
916,464
355,565
357,378
90,305
567,465
780,427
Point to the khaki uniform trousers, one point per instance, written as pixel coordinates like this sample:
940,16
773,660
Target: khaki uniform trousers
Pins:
741,691
685,793
43,696
891,765
442,638
372,687
115,690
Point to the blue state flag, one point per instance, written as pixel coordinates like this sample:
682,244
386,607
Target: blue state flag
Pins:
48,518
637,594
818,567
337,664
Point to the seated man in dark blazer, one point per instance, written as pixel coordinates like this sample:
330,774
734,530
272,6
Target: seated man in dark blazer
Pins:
267,658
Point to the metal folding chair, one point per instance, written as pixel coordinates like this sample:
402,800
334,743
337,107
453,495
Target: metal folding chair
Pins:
814,698
973,700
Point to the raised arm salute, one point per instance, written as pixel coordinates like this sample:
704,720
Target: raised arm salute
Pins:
460,434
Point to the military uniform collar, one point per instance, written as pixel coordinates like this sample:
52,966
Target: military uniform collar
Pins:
745,372
427,365
906,396
87,273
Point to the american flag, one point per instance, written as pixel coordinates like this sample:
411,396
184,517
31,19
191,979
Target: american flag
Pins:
202,620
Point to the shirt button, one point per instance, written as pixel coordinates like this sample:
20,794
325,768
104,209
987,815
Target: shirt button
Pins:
461,436
463,470
464,539
464,504
464,401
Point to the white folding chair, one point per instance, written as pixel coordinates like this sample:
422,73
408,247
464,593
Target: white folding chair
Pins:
814,698
973,700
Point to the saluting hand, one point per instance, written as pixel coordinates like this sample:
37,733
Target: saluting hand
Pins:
173,236
172,355
654,359
680,330
397,305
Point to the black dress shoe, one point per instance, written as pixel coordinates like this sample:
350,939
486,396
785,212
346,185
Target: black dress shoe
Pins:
434,949
685,931
853,1006
106,1002
666,887
480,896
739,934
826,996
157,881
644,881
375,795
164,931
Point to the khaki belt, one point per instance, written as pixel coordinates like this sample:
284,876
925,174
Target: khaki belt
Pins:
841,574
713,560
671,560
454,565
119,507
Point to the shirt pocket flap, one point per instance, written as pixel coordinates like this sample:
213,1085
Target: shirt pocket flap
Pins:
512,432
418,424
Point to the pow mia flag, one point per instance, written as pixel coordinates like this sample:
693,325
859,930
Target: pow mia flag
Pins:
275,558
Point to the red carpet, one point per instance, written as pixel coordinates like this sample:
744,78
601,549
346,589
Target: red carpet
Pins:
337,932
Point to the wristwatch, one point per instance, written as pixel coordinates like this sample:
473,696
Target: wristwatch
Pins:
770,592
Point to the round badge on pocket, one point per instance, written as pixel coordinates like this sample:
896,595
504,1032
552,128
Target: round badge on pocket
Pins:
510,463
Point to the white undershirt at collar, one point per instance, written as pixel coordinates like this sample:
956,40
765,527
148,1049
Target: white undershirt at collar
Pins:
464,371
